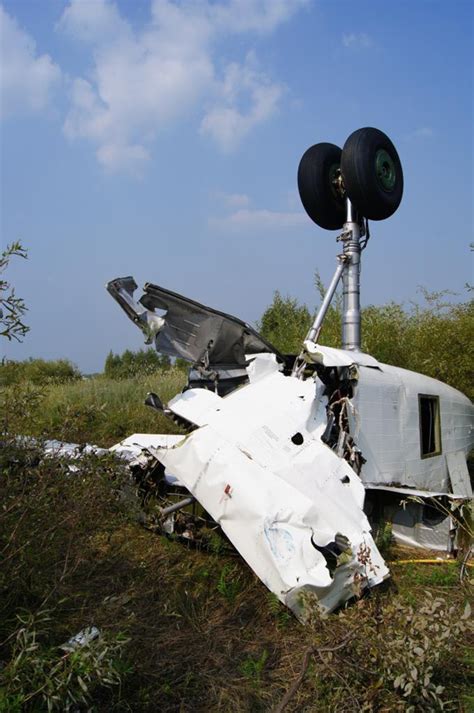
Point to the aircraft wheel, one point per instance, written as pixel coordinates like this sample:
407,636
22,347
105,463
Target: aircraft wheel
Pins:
317,186
372,173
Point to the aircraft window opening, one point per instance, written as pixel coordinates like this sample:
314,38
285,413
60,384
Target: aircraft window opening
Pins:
430,426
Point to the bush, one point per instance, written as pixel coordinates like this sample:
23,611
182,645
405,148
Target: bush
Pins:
38,371
141,363
285,323
434,338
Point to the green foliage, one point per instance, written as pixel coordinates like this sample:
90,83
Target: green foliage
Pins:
50,524
435,338
12,308
385,333
278,610
19,407
181,364
97,410
441,341
393,655
285,323
129,364
439,575
38,371
40,676
228,584
384,538
252,668
423,638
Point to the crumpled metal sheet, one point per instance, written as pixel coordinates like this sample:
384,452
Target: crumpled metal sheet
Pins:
138,444
330,356
284,499
188,329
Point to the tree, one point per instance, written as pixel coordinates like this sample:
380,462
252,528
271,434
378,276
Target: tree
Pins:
12,308
285,324
130,364
434,338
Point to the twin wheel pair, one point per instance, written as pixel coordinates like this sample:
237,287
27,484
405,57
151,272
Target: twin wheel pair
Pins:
367,171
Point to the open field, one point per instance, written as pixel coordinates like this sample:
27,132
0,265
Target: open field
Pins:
184,629
93,410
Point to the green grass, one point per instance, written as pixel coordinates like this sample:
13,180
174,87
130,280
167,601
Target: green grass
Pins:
97,410
439,575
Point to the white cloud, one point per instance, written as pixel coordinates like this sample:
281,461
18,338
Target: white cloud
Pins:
232,200
226,122
256,15
259,220
116,157
143,80
92,22
357,40
27,79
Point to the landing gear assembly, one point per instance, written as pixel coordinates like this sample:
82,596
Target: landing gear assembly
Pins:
344,189
367,171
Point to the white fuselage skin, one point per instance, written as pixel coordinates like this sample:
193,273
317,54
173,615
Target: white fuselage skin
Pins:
387,403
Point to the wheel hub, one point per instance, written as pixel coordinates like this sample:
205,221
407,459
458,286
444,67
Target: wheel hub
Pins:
335,178
385,170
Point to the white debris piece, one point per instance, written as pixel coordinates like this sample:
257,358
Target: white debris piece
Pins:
288,503
84,637
139,444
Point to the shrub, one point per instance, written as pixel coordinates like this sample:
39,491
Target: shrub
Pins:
141,363
38,371
285,323
433,338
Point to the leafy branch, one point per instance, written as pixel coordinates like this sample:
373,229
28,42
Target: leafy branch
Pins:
12,308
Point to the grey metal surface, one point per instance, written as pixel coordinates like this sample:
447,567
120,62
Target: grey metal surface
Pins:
177,506
313,333
351,281
187,329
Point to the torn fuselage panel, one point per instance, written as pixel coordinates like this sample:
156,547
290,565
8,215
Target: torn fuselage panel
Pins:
279,502
215,343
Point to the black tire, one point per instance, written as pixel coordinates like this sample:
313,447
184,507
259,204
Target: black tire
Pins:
372,173
319,196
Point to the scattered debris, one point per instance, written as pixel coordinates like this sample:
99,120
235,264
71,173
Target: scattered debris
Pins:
82,638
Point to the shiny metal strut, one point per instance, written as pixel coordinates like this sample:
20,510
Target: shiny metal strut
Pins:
351,280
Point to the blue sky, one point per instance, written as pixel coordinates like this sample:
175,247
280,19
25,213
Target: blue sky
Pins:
161,139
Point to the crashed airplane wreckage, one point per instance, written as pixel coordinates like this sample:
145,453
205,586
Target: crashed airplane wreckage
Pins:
285,452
